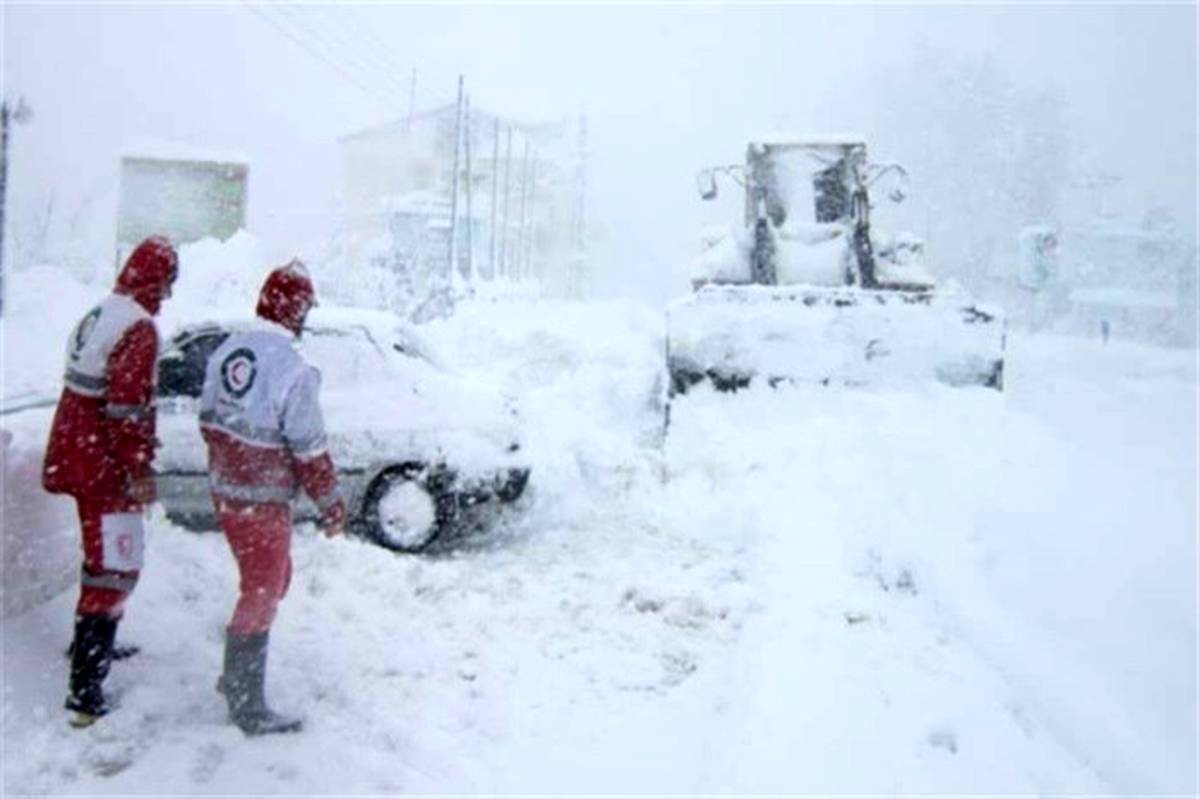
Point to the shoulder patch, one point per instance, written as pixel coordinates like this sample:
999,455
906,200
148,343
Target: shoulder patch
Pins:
83,331
238,371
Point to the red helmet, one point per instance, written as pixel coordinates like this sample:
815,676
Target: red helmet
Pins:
286,296
149,272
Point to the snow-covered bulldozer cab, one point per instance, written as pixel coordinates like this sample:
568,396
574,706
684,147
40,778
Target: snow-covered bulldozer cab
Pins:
805,291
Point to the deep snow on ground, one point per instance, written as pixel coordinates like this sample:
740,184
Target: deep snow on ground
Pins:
876,591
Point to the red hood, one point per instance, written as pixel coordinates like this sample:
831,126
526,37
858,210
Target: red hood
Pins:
287,295
149,272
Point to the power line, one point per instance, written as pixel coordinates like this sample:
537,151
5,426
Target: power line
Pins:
307,44
350,51
375,49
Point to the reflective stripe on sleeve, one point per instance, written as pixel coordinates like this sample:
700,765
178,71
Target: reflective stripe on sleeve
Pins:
85,384
309,450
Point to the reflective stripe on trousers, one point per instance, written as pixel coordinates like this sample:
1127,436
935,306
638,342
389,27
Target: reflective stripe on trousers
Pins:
102,592
135,413
114,581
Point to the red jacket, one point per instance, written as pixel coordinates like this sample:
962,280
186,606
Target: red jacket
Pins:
103,432
102,437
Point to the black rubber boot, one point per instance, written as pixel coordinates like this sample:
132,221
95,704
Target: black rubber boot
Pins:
242,683
119,652
91,656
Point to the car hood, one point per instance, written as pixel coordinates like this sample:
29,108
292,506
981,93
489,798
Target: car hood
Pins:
436,417
430,416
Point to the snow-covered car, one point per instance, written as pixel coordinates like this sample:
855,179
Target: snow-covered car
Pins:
415,443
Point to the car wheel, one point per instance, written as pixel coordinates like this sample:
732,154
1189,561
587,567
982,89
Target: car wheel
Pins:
406,508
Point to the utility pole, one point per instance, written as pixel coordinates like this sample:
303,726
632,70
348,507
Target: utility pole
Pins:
467,185
495,184
452,247
577,263
412,98
581,184
22,113
504,220
531,236
524,205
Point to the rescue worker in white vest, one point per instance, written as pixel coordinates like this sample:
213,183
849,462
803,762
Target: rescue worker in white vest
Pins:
100,452
261,420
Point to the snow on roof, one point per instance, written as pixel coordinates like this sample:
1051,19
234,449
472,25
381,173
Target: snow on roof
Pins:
397,122
478,116
548,129
815,140
155,150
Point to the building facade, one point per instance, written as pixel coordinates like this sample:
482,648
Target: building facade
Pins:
512,215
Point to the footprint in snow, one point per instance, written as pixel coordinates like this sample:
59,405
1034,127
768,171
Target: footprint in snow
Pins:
208,760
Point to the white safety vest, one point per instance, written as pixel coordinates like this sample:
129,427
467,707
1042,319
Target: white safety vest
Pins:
93,340
260,390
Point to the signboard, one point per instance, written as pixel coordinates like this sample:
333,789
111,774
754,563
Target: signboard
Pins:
184,200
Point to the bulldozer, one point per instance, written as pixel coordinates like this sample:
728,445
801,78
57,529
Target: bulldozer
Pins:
805,292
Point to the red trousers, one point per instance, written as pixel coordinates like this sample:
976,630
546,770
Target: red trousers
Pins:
104,586
260,536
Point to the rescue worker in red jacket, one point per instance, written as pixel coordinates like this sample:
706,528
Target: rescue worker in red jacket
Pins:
100,451
262,422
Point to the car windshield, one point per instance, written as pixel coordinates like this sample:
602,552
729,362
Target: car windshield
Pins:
355,353
346,354
343,354
181,367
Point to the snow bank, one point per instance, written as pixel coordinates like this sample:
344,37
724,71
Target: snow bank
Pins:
216,276
589,379
1033,554
41,305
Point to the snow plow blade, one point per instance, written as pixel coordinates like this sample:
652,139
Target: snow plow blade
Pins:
733,336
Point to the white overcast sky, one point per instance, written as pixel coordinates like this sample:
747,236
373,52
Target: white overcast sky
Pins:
667,89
